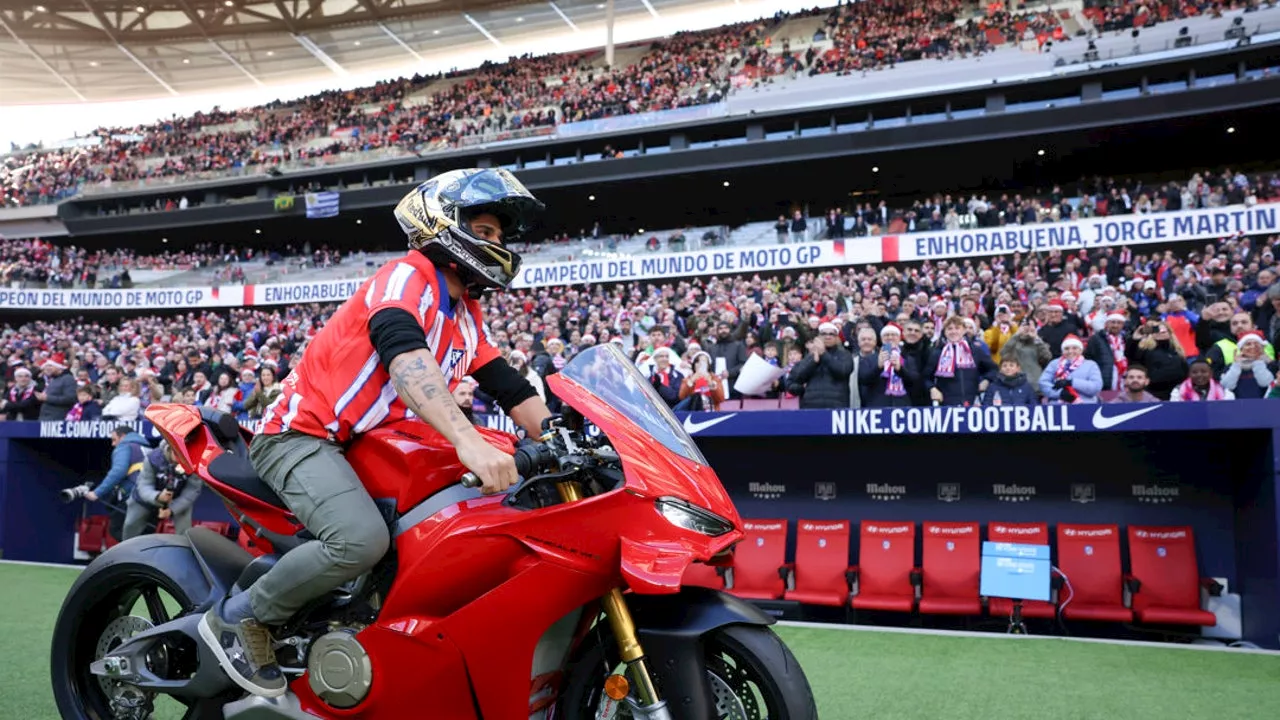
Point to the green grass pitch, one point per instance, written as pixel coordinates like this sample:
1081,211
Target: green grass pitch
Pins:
878,675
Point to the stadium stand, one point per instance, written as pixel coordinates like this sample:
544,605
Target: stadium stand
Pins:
528,96
1164,581
886,576
1089,555
952,560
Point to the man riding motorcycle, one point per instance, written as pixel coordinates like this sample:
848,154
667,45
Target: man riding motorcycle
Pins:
392,351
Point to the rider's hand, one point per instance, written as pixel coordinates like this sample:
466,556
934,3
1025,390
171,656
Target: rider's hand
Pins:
496,469
164,513
91,496
165,496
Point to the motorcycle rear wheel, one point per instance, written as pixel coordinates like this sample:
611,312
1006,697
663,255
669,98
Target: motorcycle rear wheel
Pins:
89,612
751,662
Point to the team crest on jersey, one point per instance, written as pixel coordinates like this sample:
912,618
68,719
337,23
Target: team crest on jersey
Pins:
451,363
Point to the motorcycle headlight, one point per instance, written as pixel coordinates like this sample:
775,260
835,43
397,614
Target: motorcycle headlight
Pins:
691,517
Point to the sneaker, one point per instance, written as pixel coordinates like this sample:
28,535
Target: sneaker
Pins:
244,650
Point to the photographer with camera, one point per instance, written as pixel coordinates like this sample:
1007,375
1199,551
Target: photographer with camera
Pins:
163,492
117,486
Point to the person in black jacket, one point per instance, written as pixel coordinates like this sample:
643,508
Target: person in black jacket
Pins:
59,390
916,344
1107,349
734,352
821,379
958,371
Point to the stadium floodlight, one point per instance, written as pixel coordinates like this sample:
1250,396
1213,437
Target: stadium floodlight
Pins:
1230,130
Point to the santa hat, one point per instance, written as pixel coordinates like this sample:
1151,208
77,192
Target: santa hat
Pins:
827,327
1251,336
1117,316
1072,341
890,327
57,360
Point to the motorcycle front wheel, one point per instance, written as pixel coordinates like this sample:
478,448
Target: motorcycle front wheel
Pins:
751,675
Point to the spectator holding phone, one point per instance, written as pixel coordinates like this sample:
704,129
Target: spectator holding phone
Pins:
1158,350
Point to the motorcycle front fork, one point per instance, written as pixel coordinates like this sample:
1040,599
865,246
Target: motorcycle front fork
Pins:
624,631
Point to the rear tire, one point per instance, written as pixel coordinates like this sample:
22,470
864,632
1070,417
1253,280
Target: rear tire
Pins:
740,657
93,603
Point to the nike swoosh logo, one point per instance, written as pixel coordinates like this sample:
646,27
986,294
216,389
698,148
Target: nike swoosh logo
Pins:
693,428
1102,422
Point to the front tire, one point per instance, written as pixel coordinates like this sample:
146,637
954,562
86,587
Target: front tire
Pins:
751,674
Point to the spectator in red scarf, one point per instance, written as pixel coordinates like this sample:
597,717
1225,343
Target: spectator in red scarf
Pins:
957,371
1071,378
1107,349
1200,386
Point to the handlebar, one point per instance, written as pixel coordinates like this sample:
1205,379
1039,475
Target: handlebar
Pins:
530,457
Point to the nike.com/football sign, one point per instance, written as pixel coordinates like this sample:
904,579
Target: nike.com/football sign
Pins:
991,419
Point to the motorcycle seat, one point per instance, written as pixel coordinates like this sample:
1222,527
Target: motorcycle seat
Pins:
236,471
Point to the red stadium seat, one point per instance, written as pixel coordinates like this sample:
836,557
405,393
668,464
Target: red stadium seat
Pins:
165,527
951,568
759,559
1027,534
760,404
886,577
1164,578
703,575
1089,557
92,533
820,574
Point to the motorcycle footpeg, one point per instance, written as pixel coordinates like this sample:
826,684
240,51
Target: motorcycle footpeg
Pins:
285,707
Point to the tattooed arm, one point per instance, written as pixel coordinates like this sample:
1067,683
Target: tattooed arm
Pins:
421,385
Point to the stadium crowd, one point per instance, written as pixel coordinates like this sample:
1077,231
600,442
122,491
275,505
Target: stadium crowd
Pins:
1111,325
36,263
522,95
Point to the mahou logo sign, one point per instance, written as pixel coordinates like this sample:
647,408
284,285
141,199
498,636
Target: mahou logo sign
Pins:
1155,493
1013,493
766,491
885,492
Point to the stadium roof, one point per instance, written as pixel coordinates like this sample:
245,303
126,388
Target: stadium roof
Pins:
55,51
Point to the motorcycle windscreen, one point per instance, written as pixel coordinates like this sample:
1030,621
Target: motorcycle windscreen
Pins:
609,391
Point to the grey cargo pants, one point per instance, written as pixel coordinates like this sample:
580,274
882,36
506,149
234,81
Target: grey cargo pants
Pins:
313,478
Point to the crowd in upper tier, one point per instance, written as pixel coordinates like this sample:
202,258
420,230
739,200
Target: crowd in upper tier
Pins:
429,112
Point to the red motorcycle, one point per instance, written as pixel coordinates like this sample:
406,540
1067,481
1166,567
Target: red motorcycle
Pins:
559,599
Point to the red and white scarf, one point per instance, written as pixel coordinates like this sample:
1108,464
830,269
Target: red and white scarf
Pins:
1186,391
954,356
1117,351
1065,367
893,385
75,413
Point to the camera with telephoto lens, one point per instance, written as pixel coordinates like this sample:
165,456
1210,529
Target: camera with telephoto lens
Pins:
71,494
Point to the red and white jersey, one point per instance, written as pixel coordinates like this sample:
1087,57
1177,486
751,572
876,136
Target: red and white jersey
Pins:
341,388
